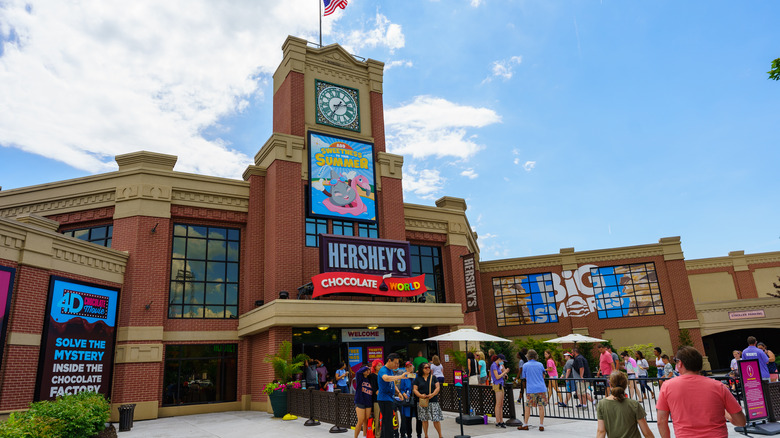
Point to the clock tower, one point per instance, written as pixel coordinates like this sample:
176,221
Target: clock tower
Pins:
324,98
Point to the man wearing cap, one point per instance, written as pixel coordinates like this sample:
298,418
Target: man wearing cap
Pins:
568,373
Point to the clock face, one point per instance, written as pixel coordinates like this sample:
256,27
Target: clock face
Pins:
337,106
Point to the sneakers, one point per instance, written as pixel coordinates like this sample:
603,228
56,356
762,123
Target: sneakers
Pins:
501,425
562,405
580,406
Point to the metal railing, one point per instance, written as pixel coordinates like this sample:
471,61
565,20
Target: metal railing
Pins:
577,407
339,409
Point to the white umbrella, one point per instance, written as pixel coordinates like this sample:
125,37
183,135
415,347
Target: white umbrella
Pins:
574,338
467,335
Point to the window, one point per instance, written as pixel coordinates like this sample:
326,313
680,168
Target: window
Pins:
315,227
100,235
343,228
368,230
525,299
427,260
200,374
204,272
626,290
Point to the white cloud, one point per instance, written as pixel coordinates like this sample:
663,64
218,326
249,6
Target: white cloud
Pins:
425,183
476,3
517,161
384,34
529,165
84,82
469,173
399,63
503,69
432,126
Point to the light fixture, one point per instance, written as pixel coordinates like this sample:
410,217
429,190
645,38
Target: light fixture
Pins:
373,327
417,327
283,295
323,326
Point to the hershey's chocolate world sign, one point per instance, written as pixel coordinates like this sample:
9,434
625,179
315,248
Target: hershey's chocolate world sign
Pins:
77,351
365,256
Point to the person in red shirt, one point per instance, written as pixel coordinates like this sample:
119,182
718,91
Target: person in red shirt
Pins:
605,361
699,405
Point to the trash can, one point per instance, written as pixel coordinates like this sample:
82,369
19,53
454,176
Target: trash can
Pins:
126,417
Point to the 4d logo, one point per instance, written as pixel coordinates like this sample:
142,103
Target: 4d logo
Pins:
83,304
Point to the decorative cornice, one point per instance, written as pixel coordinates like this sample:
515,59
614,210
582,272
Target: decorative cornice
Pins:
389,165
733,305
145,160
736,259
179,211
280,147
426,225
210,200
450,221
89,200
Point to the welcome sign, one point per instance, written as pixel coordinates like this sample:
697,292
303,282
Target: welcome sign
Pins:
77,351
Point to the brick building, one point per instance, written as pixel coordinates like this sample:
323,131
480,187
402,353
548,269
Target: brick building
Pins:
206,276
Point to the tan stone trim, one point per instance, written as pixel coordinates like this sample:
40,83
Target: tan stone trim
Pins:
253,171
138,353
736,259
145,410
389,165
736,305
218,200
145,160
30,339
293,59
375,75
714,316
217,335
151,333
570,259
206,408
584,331
261,406
19,201
281,147
449,218
38,221
688,324
308,313
33,246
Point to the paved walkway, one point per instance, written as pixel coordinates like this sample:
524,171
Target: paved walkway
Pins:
241,424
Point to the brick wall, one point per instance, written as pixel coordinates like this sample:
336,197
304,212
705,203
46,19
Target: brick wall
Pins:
289,106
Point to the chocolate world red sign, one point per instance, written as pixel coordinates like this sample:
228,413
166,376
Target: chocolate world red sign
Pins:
77,351
355,283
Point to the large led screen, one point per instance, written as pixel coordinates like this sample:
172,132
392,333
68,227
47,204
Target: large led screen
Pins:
341,178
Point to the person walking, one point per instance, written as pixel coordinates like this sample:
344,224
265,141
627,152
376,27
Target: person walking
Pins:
552,373
700,406
375,366
536,396
568,373
581,370
387,391
632,370
643,366
419,359
618,416
427,388
473,369
437,369
605,362
771,365
668,370
483,372
659,363
498,373
363,400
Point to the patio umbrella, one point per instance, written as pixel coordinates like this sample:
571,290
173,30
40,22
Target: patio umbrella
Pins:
467,335
573,339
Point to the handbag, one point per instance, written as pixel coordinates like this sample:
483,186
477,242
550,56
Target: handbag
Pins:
423,402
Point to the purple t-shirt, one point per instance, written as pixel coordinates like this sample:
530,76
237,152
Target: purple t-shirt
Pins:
495,370
753,352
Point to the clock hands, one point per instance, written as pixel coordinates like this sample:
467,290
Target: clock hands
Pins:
335,107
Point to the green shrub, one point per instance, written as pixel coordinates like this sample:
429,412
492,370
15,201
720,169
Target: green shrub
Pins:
75,416
505,348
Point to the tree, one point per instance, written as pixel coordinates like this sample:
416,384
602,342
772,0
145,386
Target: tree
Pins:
774,74
776,285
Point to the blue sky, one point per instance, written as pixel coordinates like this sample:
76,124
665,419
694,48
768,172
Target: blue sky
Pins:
592,124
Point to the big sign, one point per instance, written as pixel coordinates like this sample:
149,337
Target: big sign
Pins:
77,351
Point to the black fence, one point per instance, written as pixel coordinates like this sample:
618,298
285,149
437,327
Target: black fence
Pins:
578,397
339,409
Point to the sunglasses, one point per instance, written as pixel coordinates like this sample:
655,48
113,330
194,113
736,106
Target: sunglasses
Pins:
426,368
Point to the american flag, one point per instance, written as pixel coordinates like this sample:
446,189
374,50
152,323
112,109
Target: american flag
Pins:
331,5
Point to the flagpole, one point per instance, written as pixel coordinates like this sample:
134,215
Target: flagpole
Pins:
320,3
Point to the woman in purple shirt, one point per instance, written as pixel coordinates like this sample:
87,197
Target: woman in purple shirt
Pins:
497,374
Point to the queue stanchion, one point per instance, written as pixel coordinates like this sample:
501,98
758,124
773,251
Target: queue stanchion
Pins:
513,420
311,421
458,379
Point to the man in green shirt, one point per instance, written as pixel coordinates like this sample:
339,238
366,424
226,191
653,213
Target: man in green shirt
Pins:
419,359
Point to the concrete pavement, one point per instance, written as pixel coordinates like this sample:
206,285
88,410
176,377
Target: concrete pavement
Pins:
241,424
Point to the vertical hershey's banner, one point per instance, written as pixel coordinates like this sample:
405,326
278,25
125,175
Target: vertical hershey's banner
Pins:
6,288
77,349
470,282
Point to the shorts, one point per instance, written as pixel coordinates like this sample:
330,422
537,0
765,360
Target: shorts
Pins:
536,399
498,388
359,406
482,380
571,386
582,387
